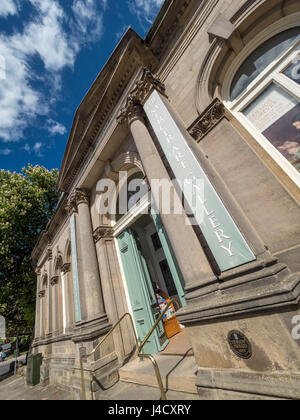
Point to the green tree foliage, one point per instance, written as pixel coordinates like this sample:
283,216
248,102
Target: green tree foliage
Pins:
27,202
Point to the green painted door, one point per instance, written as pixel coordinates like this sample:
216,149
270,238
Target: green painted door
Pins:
176,274
144,306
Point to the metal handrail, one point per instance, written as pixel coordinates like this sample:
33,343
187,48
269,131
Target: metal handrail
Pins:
139,348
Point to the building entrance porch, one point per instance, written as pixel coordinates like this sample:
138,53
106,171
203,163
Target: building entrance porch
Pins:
150,276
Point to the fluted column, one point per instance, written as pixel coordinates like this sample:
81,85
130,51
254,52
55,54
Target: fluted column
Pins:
54,294
42,295
191,258
49,295
89,272
37,307
67,297
112,286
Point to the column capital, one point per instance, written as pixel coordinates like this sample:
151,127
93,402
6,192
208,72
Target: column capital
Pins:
146,84
101,232
38,271
77,197
42,294
66,268
54,281
134,105
132,111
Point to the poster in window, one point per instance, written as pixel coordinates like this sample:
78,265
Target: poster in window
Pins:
276,114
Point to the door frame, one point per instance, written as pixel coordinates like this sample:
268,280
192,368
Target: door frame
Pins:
126,222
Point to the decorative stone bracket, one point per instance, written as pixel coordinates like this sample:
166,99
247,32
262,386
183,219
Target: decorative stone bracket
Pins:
101,232
207,120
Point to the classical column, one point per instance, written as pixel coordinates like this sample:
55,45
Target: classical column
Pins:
54,305
113,289
67,298
92,304
37,307
49,297
42,295
191,258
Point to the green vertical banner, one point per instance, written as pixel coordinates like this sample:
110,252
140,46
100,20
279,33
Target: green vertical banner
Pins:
223,237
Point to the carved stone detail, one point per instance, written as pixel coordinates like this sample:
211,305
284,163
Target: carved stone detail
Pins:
49,254
77,197
71,207
131,111
54,281
66,268
101,232
143,87
208,120
133,108
42,294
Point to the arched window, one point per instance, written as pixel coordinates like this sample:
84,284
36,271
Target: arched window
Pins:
264,94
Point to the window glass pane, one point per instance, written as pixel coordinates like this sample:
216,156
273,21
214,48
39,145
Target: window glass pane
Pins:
293,71
276,114
166,272
261,58
156,242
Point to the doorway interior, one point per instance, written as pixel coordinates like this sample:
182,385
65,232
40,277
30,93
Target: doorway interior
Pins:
147,259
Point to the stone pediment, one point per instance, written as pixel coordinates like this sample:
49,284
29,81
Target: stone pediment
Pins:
93,114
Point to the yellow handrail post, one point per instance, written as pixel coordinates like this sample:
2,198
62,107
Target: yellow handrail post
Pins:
139,349
82,380
98,347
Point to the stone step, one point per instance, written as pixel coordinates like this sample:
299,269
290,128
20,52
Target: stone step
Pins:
124,391
177,372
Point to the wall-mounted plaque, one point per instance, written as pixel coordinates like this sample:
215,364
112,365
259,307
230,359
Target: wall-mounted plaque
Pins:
240,344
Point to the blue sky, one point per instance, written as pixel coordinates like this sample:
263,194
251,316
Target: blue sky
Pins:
51,51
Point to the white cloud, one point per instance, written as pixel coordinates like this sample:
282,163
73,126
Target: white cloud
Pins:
54,37
88,20
55,128
37,148
145,9
8,7
46,37
5,152
18,101
26,148
120,34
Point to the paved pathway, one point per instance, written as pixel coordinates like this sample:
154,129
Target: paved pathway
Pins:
131,392
15,389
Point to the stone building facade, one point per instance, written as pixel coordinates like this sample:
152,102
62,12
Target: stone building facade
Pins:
218,82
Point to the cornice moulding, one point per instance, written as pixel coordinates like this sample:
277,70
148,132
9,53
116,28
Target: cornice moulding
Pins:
133,55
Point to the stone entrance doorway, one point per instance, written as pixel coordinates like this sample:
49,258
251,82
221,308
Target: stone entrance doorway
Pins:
148,260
